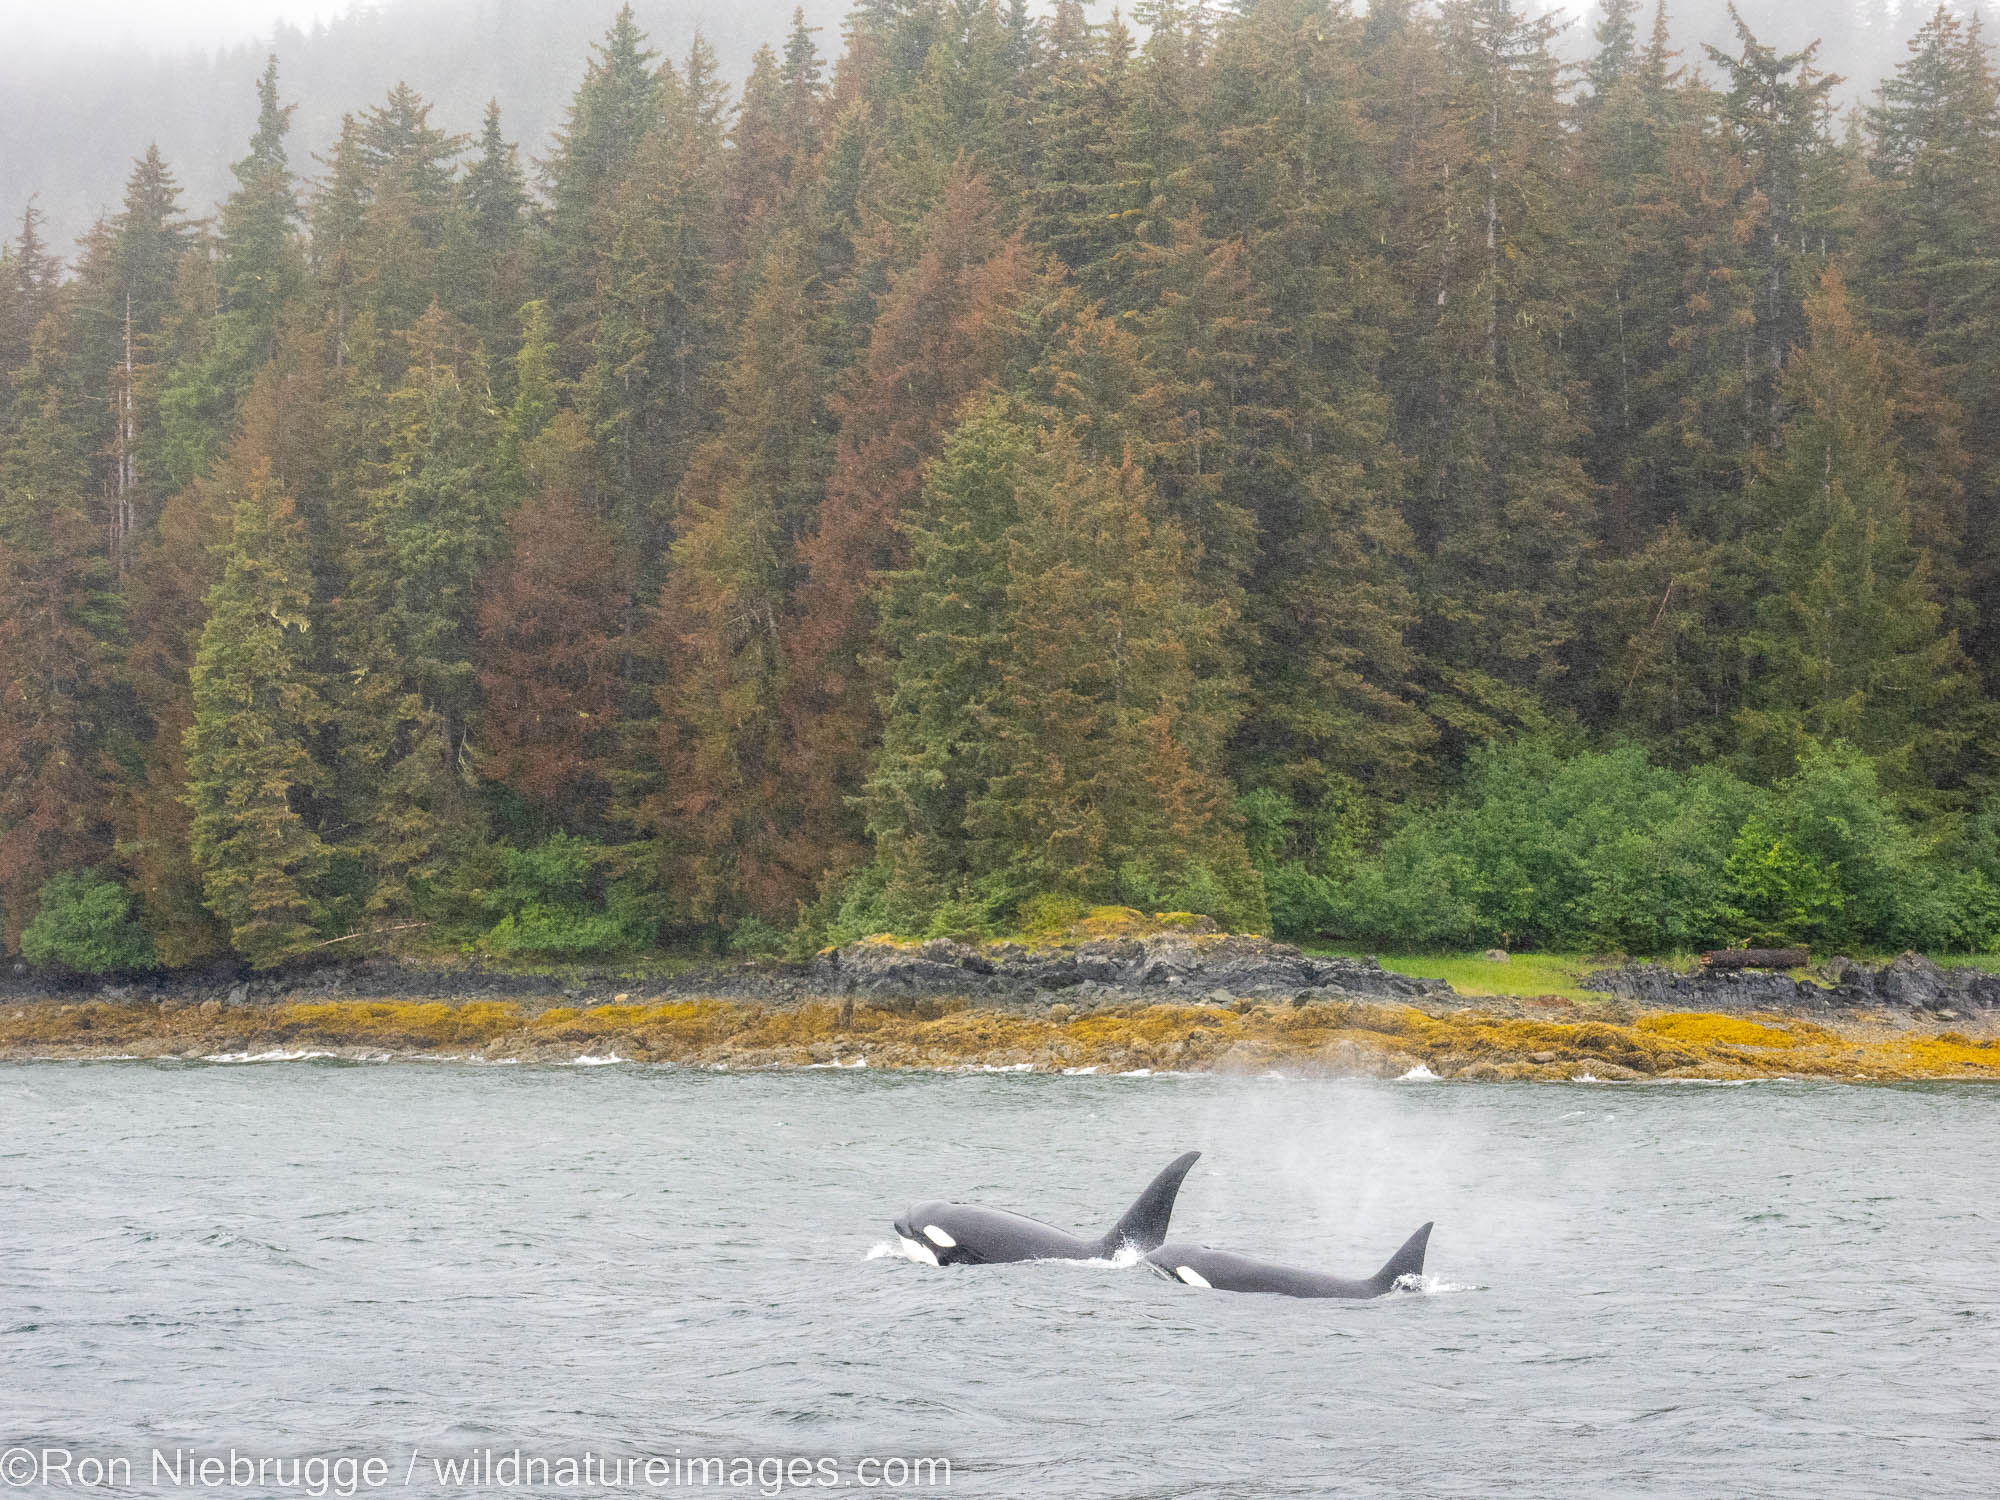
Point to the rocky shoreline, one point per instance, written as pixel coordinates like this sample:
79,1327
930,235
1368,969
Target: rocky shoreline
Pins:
1085,975
1910,984
1180,1001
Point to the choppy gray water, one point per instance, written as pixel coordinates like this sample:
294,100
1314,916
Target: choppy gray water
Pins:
1777,1289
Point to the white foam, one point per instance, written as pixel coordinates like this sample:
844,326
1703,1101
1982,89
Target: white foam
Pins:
1421,1073
1433,1286
275,1055
1137,1073
1120,1259
1080,1072
1586,1076
595,1062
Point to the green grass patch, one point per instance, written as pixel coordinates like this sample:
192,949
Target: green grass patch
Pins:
1523,976
1987,961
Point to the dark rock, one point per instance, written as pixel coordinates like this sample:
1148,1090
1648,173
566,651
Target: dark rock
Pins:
1910,982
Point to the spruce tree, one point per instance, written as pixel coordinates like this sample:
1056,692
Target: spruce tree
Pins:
616,107
1048,727
1926,266
1849,642
945,327
283,431
258,267
256,703
58,626
550,613
748,497
1499,504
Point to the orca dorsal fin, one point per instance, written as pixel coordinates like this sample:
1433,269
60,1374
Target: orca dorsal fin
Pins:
1408,1261
1144,1225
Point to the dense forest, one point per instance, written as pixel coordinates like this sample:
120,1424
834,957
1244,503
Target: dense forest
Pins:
75,104
1352,473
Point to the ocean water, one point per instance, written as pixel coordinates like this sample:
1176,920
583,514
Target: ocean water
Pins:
1771,1289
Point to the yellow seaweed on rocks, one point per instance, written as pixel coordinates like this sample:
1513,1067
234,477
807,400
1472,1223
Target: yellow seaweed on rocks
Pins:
1345,1038
1690,1027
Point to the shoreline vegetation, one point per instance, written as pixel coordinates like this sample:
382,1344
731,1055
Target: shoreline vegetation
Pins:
1125,995
1550,1040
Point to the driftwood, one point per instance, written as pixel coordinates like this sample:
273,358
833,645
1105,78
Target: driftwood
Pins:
371,932
1755,958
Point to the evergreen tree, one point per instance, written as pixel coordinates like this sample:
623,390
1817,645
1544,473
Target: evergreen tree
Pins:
651,390
944,328
1087,193
259,267
1926,263
487,275
405,626
256,704
1308,445
1849,643
551,610
747,499
617,106
1775,111
1050,729
1499,505
58,622
283,432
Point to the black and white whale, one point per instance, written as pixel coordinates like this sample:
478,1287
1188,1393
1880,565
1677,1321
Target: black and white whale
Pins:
1226,1271
953,1234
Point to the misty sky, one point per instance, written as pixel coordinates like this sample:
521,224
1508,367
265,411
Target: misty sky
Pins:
163,25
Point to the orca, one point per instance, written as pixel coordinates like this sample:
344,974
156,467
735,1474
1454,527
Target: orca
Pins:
970,1234
1226,1271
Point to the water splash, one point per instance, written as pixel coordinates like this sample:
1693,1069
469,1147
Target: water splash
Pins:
275,1055
1433,1286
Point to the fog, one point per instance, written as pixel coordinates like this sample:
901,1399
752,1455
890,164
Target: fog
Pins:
85,85
37,30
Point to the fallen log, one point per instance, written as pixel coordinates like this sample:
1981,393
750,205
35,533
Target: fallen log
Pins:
1755,958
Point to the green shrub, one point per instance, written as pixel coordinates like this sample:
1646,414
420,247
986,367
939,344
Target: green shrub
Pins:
1539,849
560,899
1783,894
1047,916
1894,891
1601,850
753,937
1303,904
966,917
84,922
1235,898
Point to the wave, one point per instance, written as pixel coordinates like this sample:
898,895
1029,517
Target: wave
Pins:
277,1054
1433,1286
900,1249
1421,1073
